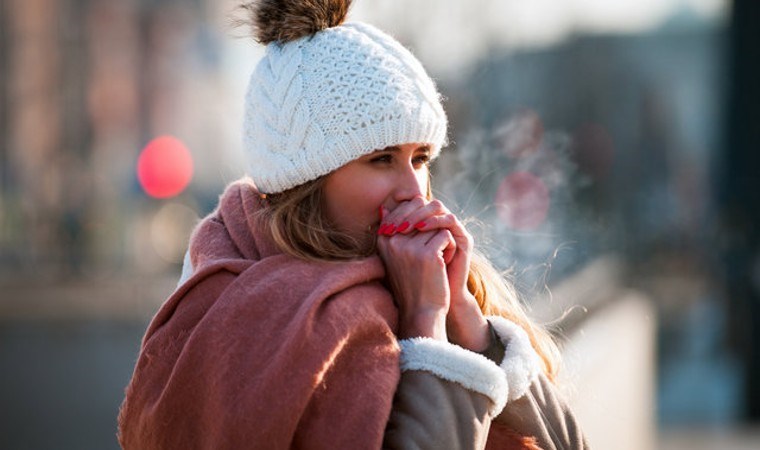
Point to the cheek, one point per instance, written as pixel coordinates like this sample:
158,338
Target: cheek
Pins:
352,203
363,211
367,198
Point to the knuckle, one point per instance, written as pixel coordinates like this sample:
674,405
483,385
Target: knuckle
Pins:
417,202
437,205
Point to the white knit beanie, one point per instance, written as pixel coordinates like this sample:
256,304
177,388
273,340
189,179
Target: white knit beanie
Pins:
337,92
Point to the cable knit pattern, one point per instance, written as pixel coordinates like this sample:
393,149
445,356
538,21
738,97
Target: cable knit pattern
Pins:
319,102
521,364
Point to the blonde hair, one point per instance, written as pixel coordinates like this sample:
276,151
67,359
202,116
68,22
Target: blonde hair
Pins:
299,226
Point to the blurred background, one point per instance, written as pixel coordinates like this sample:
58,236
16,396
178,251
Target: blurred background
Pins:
606,153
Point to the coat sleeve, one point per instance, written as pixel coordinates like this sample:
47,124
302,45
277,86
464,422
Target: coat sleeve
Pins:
432,413
543,414
445,399
440,404
538,410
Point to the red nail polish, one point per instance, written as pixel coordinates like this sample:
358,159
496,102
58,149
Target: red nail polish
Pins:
419,225
390,230
404,225
381,229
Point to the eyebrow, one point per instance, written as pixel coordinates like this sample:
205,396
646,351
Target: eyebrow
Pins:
396,148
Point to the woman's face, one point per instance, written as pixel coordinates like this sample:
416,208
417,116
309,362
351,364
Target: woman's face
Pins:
354,193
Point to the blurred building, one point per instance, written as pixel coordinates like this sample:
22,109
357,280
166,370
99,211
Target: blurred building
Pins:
639,118
85,85
628,130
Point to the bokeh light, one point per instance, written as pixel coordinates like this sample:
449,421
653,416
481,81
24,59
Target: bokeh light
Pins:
165,167
522,201
170,229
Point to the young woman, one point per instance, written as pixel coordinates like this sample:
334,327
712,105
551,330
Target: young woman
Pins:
331,302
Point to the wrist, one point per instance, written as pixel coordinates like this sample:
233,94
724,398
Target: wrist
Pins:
424,323
467,326
476,337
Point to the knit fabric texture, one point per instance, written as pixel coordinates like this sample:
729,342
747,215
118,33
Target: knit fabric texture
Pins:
319,102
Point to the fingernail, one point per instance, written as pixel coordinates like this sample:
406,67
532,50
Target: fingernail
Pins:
419,225
381,229
404,225
390,230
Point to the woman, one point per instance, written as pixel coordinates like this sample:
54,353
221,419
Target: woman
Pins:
331,302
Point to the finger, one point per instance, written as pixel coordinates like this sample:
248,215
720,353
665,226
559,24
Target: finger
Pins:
451,223
450,251
398,244
393,220
415,219
419,243
442,242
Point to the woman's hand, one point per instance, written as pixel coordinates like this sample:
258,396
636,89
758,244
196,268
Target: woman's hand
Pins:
416,272
465,323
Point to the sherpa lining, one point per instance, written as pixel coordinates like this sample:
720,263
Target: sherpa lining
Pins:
453,363
506,382
521,364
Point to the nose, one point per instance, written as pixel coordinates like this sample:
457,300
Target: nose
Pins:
410,183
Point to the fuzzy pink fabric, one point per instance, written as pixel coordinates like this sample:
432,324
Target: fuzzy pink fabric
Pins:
260,350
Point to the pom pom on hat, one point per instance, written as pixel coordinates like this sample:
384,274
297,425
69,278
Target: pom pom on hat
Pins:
326,93
287,20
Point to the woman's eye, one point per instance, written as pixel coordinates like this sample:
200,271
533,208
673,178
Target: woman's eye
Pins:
382,159
422,160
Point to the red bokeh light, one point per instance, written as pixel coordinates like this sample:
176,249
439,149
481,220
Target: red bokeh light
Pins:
522,201
164,167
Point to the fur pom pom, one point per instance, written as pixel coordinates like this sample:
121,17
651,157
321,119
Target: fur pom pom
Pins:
287,20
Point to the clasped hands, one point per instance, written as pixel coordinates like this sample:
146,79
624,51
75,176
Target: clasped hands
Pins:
427,253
